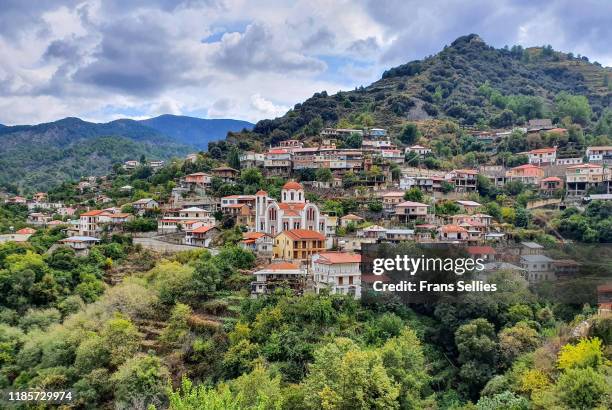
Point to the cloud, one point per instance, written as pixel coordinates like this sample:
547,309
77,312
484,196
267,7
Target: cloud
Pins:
256,49
266,107
102,59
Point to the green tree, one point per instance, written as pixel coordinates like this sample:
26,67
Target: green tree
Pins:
324,175
140,380
410,133
582,388
477,347
413,194
574,106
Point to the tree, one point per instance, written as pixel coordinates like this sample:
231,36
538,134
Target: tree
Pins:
257,389
413,194
587,353
581,388
202,397
354,140
516,340
140,380
324,175
343,376
121,338
574,106
410,133
177,330
477,347
251,176
404,361
233,157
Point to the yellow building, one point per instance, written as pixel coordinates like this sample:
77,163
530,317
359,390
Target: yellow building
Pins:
298,244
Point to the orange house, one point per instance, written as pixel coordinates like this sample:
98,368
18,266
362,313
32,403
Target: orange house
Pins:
528,174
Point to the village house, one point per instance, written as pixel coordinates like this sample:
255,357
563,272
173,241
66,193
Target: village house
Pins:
539,267
409,211
80,244
350,219
528,174
486,253
550,185
251,159
531,248
542,156
21,235
202,236
179,219
566,268
40,197
278,274
156,164
298,244
463,179
131,164
424,183
539,124
599,154
373,231
453,233
418,149
580,178
393,155
226,174
258,242
16,200
293,212
145,204
337,272
277,162
93,223
468,206
604,299
569,161
198,179
391,199
38,218
191,158
397,235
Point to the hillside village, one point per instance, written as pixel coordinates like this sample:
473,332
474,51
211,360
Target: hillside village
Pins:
318,203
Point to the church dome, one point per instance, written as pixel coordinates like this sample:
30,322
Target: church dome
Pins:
293,185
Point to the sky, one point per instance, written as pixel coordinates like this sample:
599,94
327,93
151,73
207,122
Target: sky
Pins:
248,59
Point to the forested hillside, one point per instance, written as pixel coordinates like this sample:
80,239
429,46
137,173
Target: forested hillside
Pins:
468,82
39,156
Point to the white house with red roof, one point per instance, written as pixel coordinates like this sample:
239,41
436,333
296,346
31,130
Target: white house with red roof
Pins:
339,272
293,212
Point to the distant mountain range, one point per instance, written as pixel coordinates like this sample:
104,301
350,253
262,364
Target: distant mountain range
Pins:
35,157
195,131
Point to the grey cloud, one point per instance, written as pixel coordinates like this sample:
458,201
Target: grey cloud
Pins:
137,56
364,47
255,50
323,37
64,49
17,16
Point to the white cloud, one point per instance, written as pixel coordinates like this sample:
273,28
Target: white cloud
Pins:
267,107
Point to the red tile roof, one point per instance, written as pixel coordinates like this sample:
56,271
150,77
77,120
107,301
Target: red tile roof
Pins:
452,229
330,258
95,212
282,266
293,185
26,231
410,203
202,229
543,150
481,250
301,234
551,179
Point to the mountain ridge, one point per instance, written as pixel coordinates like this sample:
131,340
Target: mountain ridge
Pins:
446,85
38,156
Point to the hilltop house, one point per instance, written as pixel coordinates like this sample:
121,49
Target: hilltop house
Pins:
452,233
550,185
600,154
418,149
463,179
258,242
227,174
199,179
80,244
338,272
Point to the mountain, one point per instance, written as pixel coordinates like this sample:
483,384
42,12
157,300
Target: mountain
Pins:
34,157
457,83
195,131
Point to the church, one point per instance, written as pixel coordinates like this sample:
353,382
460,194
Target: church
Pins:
293,212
